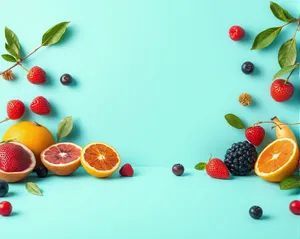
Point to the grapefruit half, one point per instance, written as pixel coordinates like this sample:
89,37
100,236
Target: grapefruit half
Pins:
62,159
16,162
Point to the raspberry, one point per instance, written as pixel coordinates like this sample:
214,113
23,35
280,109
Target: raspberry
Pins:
236,33
126,170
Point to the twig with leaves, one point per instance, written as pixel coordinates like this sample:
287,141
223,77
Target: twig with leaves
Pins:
287,53
13,47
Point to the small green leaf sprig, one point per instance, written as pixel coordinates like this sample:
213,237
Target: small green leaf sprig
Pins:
234,121
287,53
13,47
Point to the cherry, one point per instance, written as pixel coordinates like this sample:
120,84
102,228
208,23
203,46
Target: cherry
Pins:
66,79
5,208
295,207
178,169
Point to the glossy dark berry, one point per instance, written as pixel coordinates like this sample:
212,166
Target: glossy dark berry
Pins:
5,208
248,67
178,169
42,172
3,188
295,207
66,79
256,212
240,158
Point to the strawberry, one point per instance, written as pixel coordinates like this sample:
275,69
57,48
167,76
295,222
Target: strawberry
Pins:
126,170
36,75
15,109
255,135
40,106
215,168
281,90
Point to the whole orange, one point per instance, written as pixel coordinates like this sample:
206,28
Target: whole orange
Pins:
33,135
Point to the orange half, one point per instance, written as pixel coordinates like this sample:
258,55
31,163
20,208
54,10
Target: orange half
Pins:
278,160
100,160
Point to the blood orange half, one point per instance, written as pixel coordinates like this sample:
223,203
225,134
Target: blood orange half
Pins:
16,162
62,159
100,160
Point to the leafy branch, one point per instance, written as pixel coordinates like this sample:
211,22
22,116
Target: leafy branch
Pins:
13,47
287,53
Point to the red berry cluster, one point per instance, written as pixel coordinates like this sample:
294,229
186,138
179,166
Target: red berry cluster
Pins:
16,108
39,105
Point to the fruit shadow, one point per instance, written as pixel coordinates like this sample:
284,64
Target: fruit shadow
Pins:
75,133
11,194
249,37
70,33
257,72
14,213
265,217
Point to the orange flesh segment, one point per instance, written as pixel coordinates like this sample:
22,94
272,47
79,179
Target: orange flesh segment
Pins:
276,156
62,154
101,157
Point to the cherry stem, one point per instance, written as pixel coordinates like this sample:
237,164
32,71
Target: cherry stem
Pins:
7,119
21,60
24,67
268,122
296,123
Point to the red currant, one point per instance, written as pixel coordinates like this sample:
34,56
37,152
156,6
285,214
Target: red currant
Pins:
236,33
295,207
5,208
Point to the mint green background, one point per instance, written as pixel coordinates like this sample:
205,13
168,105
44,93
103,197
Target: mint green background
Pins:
154,79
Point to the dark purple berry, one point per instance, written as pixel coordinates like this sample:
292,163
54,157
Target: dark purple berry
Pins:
248,67
178,169
256,212
66,79
42,172
3,188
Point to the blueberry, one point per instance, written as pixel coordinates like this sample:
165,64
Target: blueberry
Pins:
3,188
42,172
66,79
178,169
248,67
256,212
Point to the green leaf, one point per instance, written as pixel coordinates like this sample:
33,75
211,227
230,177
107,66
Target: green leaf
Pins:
284,71
234,121
64,128
290,183
280,13
54,34
12,50
12,41
9,58
265,38
200,166
288,53
33,188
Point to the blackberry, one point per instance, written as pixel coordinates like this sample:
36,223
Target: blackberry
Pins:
240,158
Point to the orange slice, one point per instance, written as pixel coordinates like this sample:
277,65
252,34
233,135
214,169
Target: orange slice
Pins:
100,160
278,160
